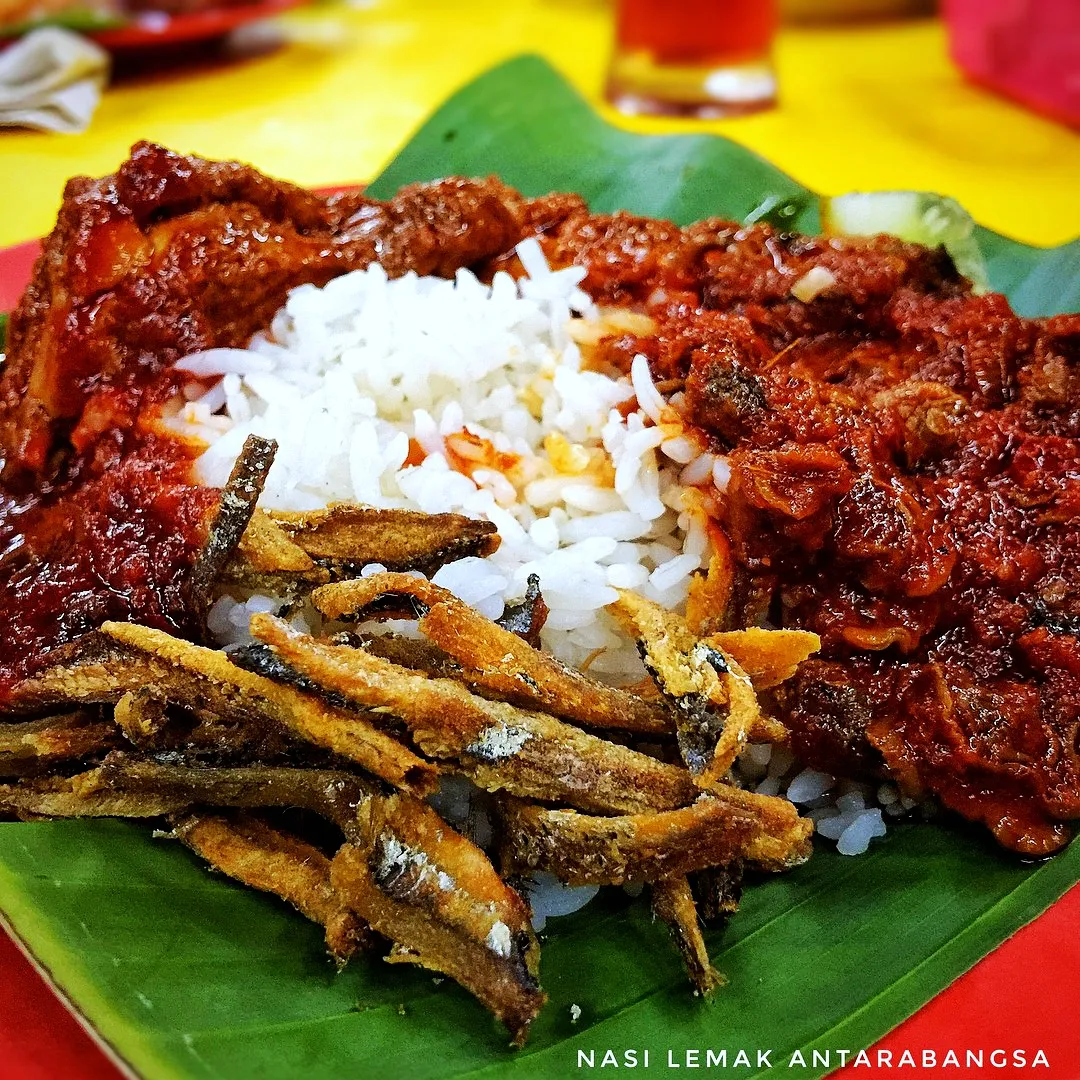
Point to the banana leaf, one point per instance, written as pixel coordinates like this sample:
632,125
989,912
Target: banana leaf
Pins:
189,976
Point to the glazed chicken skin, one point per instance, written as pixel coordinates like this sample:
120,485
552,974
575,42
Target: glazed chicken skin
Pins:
904,454
100,517
175,254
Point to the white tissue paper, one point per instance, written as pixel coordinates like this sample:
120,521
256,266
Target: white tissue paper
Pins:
51,80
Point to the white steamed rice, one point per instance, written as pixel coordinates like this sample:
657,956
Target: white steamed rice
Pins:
453,396
355,377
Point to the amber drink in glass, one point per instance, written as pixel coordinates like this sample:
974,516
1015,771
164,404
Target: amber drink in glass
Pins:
703,58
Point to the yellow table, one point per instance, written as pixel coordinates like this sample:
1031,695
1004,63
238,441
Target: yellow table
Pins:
875,106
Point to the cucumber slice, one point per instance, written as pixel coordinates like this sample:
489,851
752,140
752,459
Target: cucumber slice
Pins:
918,217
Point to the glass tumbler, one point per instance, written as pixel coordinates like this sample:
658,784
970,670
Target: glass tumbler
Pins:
700,58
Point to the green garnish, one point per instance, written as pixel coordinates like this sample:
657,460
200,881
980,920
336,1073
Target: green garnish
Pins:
916,216
779,211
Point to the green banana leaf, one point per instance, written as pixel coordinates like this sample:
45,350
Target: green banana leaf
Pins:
525,123
189,976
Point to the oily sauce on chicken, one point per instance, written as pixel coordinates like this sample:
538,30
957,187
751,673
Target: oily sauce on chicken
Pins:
100,518
905,456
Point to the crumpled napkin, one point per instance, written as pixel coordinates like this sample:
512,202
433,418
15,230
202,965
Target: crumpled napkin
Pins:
52,80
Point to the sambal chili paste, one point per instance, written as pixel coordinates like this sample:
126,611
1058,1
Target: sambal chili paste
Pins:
904,455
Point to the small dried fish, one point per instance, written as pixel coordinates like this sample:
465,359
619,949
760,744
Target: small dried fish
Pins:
526,618
497,745
438,898
585,850
718,890
769,657
237,504
715,704
345,537
81,795
285,721
785,840
122,657
128,786
36,745
673,902
264,858
267,560
331,793
497,661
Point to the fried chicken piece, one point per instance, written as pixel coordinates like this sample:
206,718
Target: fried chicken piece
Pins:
174,254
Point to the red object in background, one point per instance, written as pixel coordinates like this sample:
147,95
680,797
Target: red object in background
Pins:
1028,49
150,30
153,31
699,58
707,32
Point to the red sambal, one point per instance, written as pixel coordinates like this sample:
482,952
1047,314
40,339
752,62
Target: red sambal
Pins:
905,482
114,546
904,455
100,517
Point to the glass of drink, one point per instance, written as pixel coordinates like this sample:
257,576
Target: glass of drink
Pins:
702,58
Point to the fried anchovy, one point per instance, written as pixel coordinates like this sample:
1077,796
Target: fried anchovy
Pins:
496,661
585,850
238,499
438,898
122,657
344,537
527,617
769,657
150,722
718,890
267,560
142,716
331,793
252,852
35,745
128,786
414,653
497,745
81,796
715,705
673,902
262,660
785,840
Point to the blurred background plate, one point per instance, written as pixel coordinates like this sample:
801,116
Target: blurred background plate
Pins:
156,29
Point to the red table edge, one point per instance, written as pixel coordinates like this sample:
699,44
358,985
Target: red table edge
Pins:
72,1036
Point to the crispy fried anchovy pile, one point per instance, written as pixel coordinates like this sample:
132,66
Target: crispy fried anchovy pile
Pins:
300,765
